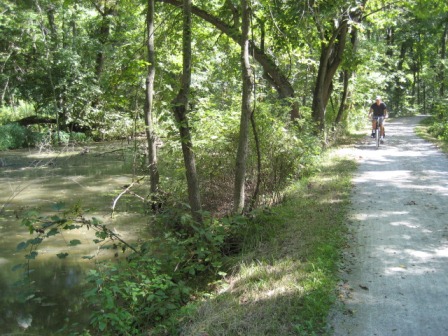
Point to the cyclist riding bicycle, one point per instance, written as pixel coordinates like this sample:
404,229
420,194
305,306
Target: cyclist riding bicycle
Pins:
379,109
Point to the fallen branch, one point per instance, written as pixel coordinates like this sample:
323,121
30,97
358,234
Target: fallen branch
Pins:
109,152
127,190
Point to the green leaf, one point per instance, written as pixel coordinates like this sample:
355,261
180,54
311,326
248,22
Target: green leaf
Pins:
62,255
52,232
17,267
75,242
58,206
56,219
35,241
21,246
71,227
31,256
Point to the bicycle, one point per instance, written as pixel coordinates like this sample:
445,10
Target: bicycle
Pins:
379,123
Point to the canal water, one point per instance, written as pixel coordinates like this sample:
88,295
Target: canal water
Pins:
50,182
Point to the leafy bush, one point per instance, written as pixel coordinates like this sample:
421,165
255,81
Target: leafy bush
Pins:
60,138
130,297
148,289
439,127
79,137
14,136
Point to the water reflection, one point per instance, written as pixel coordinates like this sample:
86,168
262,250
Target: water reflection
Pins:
44,298
44,301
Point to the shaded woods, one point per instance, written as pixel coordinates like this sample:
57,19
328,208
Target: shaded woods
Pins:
222,104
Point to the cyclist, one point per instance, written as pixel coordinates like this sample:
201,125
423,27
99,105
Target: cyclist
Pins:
378,109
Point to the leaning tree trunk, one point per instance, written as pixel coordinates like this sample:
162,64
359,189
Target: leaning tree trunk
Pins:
246,106
180,109
330,59
149,123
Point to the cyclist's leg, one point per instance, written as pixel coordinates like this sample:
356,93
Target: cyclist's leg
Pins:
383,129
373,126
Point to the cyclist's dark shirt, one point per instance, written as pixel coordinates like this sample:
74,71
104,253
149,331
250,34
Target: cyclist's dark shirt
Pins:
378,110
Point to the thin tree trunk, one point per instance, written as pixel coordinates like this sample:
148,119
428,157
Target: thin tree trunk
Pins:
254,200
180,108
149,121
346,74
246,105
443,57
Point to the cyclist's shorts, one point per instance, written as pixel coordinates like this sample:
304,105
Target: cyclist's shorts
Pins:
378,117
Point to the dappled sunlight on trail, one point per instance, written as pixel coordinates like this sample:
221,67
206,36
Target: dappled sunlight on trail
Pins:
396,269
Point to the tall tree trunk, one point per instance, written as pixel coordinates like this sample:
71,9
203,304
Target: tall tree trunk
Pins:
149,121
6,84
443,58
397,99
246,110
254,199
180,109
330,59
49,51
346,75
103,36
357,17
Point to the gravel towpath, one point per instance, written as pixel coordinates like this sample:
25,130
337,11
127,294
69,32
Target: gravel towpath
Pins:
394,275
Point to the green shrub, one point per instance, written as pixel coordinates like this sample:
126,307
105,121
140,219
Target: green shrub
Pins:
79,137
14,136
60,138
132,296
439,127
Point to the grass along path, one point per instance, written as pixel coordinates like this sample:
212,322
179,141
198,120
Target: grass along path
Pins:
284,282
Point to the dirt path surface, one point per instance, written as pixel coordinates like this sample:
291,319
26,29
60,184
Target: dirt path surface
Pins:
395,269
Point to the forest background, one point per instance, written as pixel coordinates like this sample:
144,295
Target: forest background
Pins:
228,102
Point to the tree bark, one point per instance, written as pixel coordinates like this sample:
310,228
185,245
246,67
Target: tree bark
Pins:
347,74
149,120
330,59
180,109
246,111
103,37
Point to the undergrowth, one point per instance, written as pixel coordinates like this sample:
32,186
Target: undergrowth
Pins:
283,281
271,273
433,130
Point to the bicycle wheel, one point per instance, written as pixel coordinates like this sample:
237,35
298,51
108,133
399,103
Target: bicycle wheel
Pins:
377,136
